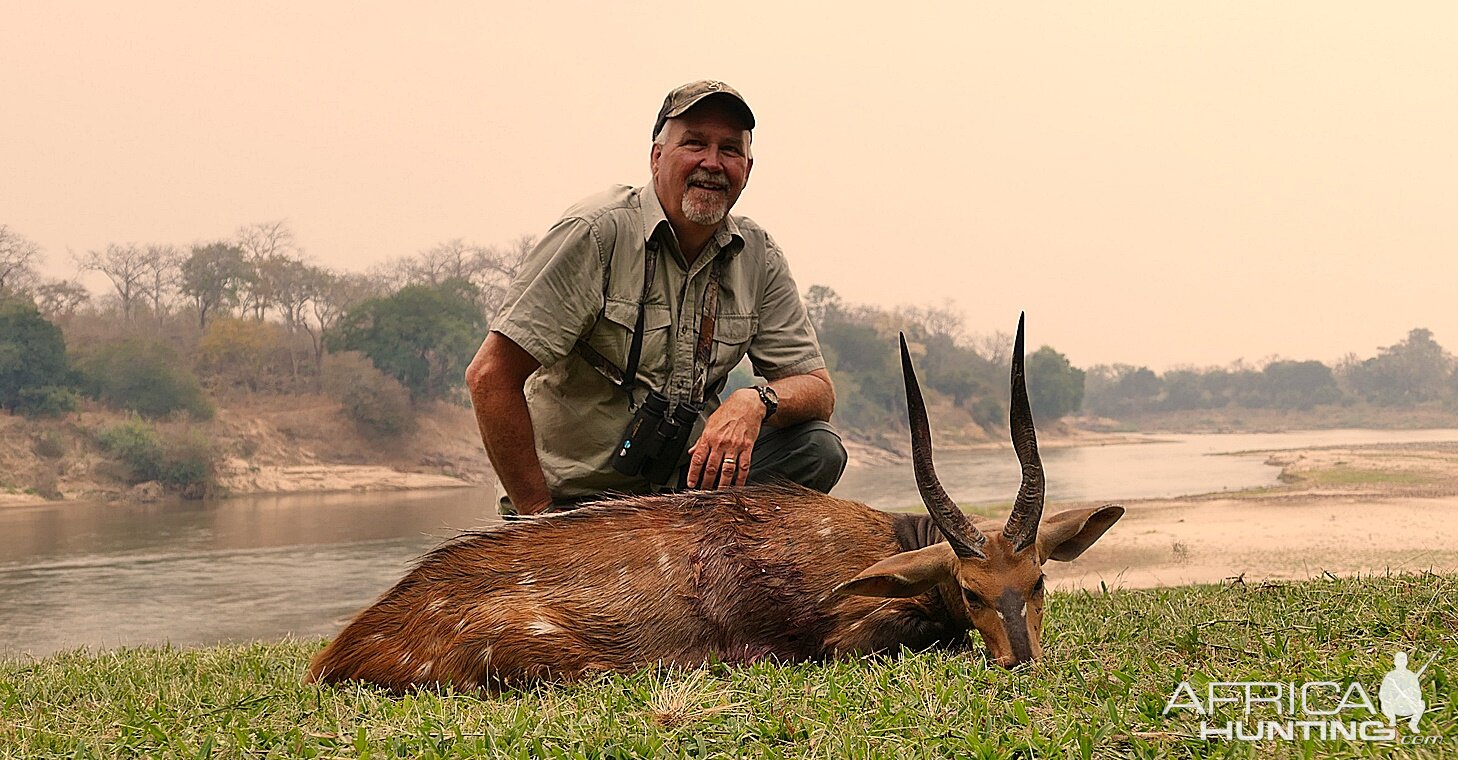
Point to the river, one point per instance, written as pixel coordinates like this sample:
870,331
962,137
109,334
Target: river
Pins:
263,567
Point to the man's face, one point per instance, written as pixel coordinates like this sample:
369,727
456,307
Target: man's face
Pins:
702,165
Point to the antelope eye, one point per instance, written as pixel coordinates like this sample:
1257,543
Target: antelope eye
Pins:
973,600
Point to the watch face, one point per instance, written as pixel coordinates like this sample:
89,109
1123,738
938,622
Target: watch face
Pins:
769,394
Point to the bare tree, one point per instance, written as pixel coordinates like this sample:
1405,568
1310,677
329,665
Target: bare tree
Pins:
18,258
161,275
995,347
263,243
333,295
125,266
499,266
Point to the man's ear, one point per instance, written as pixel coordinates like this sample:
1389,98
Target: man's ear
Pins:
653,154
904,574
1066,535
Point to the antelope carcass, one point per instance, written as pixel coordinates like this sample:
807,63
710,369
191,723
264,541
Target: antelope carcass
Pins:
736,575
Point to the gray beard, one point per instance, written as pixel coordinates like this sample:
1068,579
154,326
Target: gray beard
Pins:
708,212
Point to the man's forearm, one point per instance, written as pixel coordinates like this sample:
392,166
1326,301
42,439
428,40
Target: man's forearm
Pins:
802,397
506,431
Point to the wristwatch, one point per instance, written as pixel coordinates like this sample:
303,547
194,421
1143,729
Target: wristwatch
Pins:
770,398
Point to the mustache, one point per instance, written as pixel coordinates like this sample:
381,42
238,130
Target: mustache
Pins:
707,177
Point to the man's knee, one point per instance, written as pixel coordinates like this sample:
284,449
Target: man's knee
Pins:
810,453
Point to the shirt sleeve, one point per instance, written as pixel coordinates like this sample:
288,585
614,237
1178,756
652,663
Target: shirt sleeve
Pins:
785,344
557,296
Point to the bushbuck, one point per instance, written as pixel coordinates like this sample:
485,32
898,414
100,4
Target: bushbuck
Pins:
736,575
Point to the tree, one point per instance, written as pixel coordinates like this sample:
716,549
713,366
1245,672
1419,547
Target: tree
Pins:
35,376
244,353
125,266
1298,385
144,376
1055,387
333,295
59,299
1121,389
18,259
211,276
822,304
262,244
161,273
422,335
1411,372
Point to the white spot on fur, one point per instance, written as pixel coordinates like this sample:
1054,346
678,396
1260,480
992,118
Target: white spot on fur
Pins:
424,670
825,531
542,627
461,626
436,605
377,637
665,562
527,579
405,659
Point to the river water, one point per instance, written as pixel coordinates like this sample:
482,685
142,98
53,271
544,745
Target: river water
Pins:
264,567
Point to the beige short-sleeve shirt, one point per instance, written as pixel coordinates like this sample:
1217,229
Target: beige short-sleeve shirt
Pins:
583,281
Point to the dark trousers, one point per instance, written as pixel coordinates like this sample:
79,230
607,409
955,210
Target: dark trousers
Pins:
809,453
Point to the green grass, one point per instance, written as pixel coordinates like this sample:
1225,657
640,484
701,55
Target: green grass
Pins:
1343,475
1111,663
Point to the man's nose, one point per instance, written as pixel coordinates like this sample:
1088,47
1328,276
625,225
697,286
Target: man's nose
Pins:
712,159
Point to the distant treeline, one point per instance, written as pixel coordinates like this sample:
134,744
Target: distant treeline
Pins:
1411,372
251,312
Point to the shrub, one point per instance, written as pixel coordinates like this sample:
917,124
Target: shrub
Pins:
137,446
48,445
373,400
146,377
46,401
185,462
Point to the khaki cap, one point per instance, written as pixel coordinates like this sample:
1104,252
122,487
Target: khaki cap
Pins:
683,98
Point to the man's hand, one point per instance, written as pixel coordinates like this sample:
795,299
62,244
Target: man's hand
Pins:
721,455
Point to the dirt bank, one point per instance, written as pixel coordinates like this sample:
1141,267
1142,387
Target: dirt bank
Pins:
264,444
1343,510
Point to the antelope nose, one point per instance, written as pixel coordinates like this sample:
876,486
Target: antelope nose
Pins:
1013,660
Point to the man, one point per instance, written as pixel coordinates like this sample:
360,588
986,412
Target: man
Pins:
666,268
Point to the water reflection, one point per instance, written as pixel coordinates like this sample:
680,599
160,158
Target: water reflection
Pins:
193,573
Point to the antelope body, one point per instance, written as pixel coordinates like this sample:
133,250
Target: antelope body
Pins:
736,575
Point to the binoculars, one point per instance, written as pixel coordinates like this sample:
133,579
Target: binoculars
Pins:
655,439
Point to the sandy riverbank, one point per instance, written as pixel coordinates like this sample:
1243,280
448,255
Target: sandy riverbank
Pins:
1344,511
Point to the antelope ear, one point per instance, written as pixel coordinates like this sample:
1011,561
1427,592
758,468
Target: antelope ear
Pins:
904,574
1066,535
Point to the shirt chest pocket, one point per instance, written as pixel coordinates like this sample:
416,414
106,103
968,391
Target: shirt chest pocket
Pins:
732,334
613,335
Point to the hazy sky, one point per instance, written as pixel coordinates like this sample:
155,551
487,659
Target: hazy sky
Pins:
1155,183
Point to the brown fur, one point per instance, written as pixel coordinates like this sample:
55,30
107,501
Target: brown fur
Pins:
736,575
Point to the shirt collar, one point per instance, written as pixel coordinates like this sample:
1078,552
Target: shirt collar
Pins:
728,237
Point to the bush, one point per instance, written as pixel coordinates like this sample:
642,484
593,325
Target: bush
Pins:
34,372
185,462
137,446
377,403
146,377
48,445
46,401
